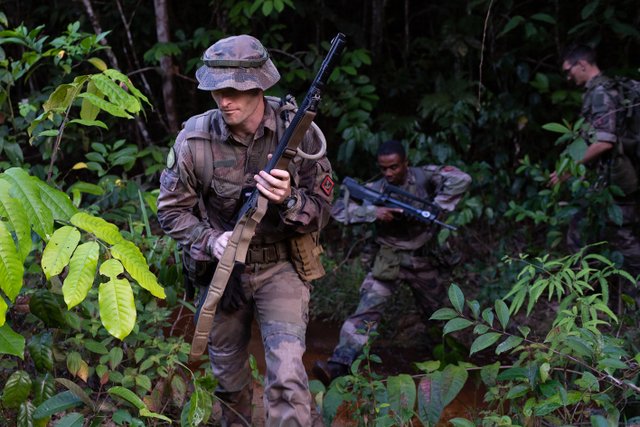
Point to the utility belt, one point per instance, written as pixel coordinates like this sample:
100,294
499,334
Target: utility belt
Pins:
267,253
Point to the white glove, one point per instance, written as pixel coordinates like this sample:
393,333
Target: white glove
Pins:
220,244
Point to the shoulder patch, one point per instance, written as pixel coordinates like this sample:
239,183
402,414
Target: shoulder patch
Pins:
171,158
327,185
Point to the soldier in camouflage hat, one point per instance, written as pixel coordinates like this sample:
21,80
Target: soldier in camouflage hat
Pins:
604,153
402,257
216,157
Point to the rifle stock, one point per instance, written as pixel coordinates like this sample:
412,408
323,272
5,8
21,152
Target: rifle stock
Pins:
255,205
362,193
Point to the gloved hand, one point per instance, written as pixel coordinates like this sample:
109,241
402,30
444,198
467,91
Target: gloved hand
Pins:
233,296
221,243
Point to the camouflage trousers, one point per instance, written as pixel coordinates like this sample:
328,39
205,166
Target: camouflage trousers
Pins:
280,301
425,281
623,238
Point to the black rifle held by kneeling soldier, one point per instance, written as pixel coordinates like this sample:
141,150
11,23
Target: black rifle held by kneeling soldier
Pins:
231,265
390,197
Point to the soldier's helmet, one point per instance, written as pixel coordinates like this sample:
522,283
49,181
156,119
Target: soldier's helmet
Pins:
239,62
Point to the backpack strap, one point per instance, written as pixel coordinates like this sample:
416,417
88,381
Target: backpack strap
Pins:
198,135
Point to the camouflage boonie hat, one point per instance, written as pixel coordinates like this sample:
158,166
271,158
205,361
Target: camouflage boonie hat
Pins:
239,62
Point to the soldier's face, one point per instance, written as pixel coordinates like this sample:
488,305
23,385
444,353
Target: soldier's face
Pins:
575,72
238,106
394,168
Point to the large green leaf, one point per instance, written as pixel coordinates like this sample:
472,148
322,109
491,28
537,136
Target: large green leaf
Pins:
117,307
17,217
88,111
127,395
82,272
28,193
3,311
47,307
456,297
41,351
439,389
11,342
57,253
113,109
136,265
73,419
102,229
58,202
402,395
16,389
115,93
56,404
11,267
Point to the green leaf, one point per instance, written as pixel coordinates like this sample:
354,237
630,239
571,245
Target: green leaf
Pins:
97,123
502,311
56,404
461,422
17,219
484,341
41,351
556,127
26,190
456,325
508,344
78,391
95,347
88,111
10,342
57,253
73,419
82,272
55,200
127,395
513,23
444,314
113,109
16,389
402,395
117,307
11,267
44,305
489,373
136,265
102,229
456,297
111,268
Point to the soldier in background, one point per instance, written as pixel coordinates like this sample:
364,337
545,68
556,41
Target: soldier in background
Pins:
401,256
199,213
599,107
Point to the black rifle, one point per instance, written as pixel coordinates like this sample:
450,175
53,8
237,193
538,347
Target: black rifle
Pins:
428,211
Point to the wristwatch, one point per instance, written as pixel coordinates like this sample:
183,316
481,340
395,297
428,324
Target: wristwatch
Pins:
289,202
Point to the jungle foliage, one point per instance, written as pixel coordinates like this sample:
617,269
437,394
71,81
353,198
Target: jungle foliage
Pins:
91,97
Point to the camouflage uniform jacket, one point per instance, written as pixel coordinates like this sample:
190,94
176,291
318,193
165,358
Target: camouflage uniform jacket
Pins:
598,109
444,185
234,165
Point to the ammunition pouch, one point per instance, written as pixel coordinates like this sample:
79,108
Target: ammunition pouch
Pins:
386,265
305,256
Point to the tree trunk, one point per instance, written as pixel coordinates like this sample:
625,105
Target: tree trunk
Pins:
166,64
377,26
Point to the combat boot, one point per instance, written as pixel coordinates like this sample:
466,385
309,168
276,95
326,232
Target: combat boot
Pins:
326,372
